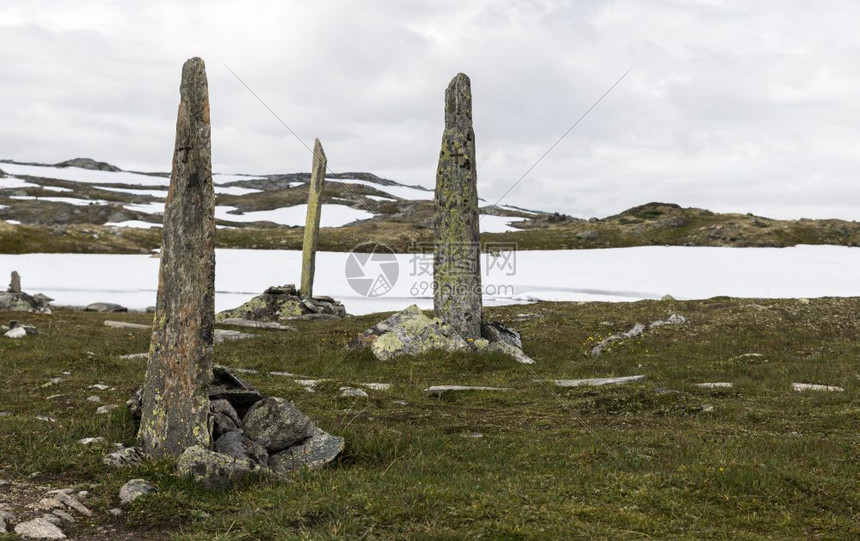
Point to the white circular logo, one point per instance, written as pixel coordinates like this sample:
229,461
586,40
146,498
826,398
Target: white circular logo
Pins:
372,269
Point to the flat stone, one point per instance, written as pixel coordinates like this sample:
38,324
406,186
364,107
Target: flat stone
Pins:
98,387
226,335
276,424
596,381
125,325
513,352
134,489
816,387
90,441
132,356
377,386
39,528
105,307
352,392
71,502
316,451
94,399
62,515
103,410
239,322
715,385
439,390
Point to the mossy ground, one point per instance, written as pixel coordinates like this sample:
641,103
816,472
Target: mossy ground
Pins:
658,459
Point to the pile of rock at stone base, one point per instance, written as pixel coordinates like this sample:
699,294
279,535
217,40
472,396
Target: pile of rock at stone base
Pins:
410,332
281,303
252,434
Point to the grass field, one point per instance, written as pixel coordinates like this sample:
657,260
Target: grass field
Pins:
658,459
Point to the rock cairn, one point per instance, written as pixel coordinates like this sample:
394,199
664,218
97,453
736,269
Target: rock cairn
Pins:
312,223
282,303
175,405
15,300
457,263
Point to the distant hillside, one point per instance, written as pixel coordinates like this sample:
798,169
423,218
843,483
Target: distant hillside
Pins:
83,205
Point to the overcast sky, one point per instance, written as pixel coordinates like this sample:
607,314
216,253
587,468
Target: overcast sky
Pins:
733,106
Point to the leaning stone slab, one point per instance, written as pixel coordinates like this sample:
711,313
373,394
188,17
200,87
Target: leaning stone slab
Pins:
439,390
316,451
816,387
715,385
125,325
239,322
596,381
212,469
312,220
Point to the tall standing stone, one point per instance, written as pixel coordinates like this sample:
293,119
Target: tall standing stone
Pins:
312,222
15,283
457,263
179,371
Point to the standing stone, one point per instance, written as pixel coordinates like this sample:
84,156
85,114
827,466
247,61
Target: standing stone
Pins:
457,263
15,283
312,222
179,371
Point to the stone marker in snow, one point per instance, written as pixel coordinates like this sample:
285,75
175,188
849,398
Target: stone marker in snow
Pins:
457,250
312,221
175,402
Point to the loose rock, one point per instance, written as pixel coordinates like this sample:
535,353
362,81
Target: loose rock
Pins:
214,470
105,307
439,390
39,528
597,381
134,489
316,451
276,424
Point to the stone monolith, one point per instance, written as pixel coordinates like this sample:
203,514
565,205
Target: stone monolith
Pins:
457,264
312,222
179,371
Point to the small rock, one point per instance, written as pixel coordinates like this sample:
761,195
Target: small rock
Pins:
803,301
53,519
131,356
106,409
17,332
222,335
353,392
439,390
39,528
816,387
47,504
98,386
46,419
707,408
377,386
133,490
63,515
236,445
225,408
667,298
71,502
116,511
513,352
94,399
122,457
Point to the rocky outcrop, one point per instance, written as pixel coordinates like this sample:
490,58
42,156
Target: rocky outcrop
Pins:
282,303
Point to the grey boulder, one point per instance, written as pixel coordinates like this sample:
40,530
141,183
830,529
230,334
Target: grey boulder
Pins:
236,445
134,489
316,451
211,469
276,424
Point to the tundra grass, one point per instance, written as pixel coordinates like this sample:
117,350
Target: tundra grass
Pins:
662,458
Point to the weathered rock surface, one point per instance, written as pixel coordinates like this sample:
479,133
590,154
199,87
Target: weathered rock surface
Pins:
276,424
312,220
316,451
228,335
410,332
175,401
125,325
499,332
457,257
816,387
236,445
214,470
123,457
238,322
134,489
439,390
283,303
17,332
39,528
240,394
597,381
